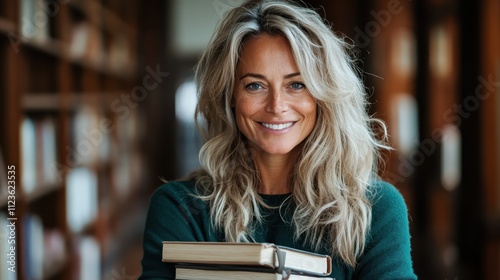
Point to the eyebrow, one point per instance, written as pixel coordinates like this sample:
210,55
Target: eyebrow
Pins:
259,76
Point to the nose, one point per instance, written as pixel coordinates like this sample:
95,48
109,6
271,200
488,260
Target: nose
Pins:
277,102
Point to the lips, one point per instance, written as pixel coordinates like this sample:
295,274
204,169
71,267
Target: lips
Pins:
279,126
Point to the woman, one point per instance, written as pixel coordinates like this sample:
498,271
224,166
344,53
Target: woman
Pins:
290,155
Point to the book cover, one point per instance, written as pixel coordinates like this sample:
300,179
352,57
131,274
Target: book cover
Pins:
216,272
247,254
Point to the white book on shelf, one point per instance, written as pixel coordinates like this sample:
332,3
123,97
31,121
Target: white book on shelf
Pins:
79,40
81,198
28,155
34,19
49,150
42,25
28,29
90,258
87,136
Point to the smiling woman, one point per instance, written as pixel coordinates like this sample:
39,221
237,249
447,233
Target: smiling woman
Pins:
273,108
290,154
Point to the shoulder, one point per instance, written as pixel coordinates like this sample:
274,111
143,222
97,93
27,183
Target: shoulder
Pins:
389,212
386,197
175,193
388,247
388,208
176,188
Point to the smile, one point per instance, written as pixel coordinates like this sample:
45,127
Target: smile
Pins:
280,126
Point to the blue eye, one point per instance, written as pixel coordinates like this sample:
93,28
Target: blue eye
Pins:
297,86
253,86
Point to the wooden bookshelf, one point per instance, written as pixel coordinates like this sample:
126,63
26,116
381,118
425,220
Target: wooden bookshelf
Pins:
490,69
62,69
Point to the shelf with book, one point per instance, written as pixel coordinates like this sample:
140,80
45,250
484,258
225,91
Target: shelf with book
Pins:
66,62
101,40
38,155
44,247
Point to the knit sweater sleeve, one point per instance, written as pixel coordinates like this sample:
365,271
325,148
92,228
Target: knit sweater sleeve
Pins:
173,215
387,254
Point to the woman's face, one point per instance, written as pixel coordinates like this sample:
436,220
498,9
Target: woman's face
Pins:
273,108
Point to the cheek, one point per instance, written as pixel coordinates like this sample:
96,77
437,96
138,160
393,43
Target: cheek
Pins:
244,108
309,109
242,111
310,114
239,111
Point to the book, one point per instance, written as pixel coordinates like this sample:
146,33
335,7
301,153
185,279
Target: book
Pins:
38,139
32,246
79,39
28,154
216,273
247,254
47,150
81,198
89,258
34,20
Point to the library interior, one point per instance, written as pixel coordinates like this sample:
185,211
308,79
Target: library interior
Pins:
97,102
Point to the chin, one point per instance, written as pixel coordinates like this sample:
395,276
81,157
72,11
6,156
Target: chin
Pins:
279,151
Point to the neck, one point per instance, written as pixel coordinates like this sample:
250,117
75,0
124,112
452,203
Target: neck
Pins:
274,173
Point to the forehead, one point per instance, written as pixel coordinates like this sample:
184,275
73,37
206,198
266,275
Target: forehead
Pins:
265,51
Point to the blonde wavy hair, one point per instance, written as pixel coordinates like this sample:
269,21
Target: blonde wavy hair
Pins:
332,175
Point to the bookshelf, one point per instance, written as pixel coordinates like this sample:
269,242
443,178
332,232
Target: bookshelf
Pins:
78,157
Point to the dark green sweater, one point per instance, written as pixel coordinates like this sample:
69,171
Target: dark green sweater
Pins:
175,215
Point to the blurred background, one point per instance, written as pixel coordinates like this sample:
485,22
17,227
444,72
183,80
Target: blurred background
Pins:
97,100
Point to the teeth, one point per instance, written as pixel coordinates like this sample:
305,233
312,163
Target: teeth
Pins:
277,126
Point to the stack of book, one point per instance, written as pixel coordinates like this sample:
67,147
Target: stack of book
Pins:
223,260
